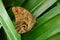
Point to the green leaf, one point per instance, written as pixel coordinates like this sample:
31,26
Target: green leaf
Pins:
7,24
43,7
55,37
31,5
49,15
9,3
46,26
50,28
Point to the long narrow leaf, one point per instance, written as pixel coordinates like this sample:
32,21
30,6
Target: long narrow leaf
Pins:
49,15
55,37
50,28
31,5
43,7
7,24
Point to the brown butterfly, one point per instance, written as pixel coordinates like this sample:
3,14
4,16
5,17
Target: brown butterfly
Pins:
23,19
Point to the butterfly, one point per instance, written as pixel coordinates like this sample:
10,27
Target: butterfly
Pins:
24,20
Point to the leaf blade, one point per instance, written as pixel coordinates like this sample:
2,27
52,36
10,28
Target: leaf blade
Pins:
31,5
43,7
7,24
